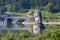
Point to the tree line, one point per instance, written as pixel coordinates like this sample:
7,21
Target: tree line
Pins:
17,5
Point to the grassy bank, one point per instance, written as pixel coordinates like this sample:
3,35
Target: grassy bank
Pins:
50,16
48,34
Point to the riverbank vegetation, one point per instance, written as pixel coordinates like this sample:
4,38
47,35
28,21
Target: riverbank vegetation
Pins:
48,34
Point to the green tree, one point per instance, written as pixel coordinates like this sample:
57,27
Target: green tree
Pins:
48,7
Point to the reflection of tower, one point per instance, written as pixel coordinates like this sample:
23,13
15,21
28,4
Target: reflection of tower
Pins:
38,19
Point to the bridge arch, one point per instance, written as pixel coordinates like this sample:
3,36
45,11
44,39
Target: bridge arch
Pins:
9,20
21,20
9,23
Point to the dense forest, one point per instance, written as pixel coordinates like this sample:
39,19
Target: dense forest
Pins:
17,5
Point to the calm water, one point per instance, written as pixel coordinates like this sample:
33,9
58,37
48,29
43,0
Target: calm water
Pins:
14,26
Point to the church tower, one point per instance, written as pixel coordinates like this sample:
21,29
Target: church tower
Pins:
38,19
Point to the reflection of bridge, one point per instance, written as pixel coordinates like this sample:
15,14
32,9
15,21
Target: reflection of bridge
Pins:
13,28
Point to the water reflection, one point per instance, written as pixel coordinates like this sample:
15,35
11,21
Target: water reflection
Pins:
12,26
9,25
42,27
21,25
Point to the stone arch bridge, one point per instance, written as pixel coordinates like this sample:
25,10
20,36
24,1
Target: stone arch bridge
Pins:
15,18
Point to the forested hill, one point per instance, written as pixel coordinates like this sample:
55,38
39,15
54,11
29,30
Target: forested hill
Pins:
16,5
